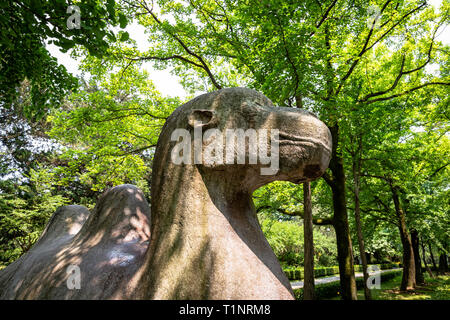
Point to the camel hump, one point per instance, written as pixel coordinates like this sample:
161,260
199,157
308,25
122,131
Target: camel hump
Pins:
122,214
65,222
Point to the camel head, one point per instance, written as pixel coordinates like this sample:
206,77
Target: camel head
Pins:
239,133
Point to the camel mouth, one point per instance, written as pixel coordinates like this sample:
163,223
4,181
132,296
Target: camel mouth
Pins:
289,139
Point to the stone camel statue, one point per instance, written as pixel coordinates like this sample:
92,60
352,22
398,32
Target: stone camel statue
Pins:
204,240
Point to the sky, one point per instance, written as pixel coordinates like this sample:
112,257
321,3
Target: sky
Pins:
166,83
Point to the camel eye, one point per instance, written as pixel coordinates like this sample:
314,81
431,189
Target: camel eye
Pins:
202,118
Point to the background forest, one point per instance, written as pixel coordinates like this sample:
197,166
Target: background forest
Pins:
376,72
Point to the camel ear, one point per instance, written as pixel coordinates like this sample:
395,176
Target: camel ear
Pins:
203,118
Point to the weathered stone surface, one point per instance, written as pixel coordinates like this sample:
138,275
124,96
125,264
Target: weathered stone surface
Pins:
108,246
206,242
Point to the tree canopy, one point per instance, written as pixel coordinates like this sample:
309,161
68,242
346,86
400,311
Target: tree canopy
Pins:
376,72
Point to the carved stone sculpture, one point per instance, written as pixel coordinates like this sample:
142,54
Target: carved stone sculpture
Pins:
206,242
107,245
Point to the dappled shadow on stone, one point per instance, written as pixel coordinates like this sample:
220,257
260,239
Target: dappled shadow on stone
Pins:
108,247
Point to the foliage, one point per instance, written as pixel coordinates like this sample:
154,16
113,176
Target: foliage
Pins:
289,48
23,143
23,215
286,240
26,25
415,162
109,130
381,85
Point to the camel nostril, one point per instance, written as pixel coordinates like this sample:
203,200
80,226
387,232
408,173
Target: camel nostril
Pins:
312,171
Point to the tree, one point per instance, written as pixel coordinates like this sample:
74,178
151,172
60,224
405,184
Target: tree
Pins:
109,130
308,283
281,201
356,168
419,155
24,212
25,27
417,261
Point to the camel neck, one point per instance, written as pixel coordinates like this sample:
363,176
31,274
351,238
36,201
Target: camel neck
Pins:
206,243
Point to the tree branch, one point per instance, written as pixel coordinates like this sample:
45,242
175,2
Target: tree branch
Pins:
408,91
388,220
438,169
402,73
294,68
397,79
361,53
366,48
324,17
396,24
172,57
202,63
132,151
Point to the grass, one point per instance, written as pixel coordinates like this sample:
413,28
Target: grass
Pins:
437,288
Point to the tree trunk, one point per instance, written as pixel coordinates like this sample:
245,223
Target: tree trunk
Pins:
409,270
424,257
337,184
340,222
432,256
443,263
308,281
417,262
362,250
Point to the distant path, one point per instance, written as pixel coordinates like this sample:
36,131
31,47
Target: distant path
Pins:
299,284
